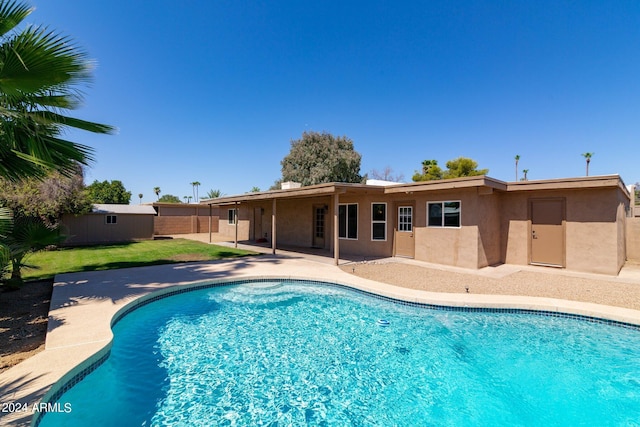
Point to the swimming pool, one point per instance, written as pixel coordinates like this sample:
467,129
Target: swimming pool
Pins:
291,353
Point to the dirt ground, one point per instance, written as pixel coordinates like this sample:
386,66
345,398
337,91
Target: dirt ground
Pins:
23,321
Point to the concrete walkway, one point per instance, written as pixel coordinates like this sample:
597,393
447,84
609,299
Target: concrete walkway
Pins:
83,305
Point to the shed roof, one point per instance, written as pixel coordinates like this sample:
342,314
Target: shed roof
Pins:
103,208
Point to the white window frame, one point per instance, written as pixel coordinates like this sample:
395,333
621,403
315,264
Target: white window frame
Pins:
232,216
111,219
379,221
405,207
442,202
346,229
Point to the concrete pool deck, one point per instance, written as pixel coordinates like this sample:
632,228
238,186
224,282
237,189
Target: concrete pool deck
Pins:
83,305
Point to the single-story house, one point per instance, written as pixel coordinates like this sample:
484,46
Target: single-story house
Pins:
109,223
471,222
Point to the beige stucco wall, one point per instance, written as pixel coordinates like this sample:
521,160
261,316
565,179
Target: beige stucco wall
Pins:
244,222
92,228
475,244
633,239
594,236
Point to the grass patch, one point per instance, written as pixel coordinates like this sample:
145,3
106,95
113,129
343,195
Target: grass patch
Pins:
134,254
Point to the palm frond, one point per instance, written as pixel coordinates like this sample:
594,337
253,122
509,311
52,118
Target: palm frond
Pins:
12,13
37,59
51,118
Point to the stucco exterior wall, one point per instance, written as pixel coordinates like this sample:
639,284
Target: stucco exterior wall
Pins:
633,239
93,229
593,237
475,244
244,222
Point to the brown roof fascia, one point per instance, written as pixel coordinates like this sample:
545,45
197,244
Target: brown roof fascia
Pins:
447,184
301,192
601,181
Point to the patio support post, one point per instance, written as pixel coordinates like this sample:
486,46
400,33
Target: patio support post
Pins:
209,222
336,239
235,219
273,227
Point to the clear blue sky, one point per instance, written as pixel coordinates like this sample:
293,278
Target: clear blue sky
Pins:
214,91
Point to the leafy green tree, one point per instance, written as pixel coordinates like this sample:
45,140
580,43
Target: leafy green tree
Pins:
463,166
41,74
47,198
525,172
140,196
169,198
587,157
320,157
157,191
517,160
108,192
254,189
29,235
430,171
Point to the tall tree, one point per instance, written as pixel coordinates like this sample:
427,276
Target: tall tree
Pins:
430,171
214,194
169,198
387,175
525,172
41,75
321,157
108,192
140,196
587,157
517,160
195,185
463,166
157,191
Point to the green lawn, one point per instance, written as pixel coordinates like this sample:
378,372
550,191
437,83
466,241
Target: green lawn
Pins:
135,254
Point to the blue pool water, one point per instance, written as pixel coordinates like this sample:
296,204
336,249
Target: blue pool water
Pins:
291,353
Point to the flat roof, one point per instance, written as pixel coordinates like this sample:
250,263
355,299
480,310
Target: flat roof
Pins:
102,208
481,181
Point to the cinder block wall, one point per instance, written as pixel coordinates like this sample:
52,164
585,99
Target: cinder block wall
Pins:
184,224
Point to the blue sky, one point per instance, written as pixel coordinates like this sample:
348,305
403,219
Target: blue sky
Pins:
214,91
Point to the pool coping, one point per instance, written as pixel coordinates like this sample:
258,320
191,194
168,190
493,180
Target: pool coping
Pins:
84,306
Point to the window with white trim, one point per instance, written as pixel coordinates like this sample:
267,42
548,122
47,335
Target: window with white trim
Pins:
111,219
378,221
232,216
348,221
405,218
444,214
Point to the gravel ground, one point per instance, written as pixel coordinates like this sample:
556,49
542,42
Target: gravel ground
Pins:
527,283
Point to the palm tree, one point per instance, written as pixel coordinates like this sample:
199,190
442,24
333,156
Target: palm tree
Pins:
40,75
28,235
525,172
157,191
195,185
517,159
214,194
587,156
185,198
140,196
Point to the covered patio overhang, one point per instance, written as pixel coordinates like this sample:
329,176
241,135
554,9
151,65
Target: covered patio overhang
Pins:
331,190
